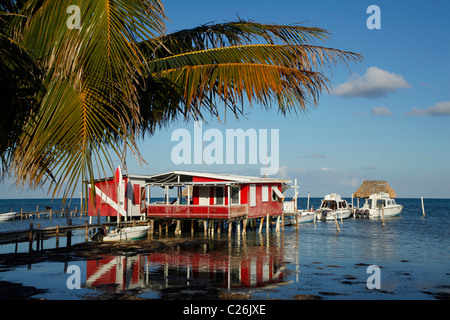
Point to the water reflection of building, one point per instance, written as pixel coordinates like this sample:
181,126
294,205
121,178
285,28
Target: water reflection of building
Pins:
246,267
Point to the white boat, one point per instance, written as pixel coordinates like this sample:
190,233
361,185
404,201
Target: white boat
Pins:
304,216
128,233
7,216
377,205
332,207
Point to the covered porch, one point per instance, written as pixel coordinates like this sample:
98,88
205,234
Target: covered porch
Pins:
218,200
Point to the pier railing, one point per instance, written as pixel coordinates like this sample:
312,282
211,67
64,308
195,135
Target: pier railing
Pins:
196,211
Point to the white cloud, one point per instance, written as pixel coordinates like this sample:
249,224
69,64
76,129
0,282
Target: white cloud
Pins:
381,111
375,83
439,109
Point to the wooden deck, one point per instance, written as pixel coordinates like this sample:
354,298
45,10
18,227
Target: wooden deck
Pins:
196,211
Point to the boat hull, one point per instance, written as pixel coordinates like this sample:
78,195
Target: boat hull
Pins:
388,212
303,217
331,215
126,234
7,216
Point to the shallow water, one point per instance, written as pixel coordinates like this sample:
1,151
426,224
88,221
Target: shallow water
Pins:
412,252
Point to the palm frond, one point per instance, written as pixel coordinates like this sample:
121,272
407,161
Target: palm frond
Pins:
91,104
230,34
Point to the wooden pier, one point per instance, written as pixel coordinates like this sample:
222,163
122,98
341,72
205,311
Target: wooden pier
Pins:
158,226
38,234
49,214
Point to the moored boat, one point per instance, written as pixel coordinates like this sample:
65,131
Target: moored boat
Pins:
304,216
8,216
333,206
128,233
378,205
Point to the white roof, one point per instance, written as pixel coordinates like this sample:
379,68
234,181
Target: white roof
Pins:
333,196
185,178
174,176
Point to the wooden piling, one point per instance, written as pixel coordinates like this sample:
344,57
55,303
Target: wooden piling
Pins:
178,228
30,238
337,224
423,207
261,224
238,228
86,232
277,227
244,227
150,230
57,236
267,223
382,213
69,235
230,226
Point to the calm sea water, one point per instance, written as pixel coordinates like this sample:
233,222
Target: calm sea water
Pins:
411,251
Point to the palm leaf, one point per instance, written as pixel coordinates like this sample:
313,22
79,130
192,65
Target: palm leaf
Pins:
91,106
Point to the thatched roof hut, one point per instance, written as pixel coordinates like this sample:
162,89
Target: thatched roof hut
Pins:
184,193
373,186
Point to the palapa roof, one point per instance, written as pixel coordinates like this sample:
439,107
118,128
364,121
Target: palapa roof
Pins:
369,187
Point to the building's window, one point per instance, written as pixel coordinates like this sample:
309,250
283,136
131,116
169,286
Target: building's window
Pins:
219,195
265,193
252,195
235,195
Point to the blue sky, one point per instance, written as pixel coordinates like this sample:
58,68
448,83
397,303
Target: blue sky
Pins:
387,120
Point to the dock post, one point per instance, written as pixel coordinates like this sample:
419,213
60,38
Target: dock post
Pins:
337,224
38,237
244,227
230,227
21,213
69,235
30,238
382,213
261,224
205,227
238,228
267,223
57,236
178,228
423,207
277,228
150,230
192,226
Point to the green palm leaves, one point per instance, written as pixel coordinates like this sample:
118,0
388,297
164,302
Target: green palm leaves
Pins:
119,76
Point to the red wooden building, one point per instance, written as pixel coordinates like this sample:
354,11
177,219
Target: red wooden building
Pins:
189,195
